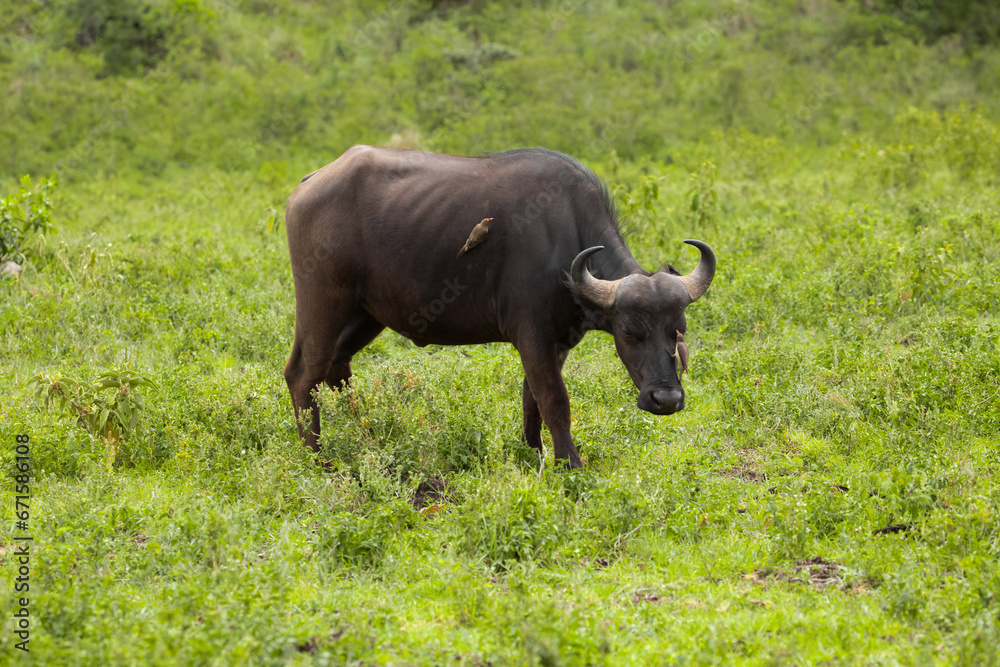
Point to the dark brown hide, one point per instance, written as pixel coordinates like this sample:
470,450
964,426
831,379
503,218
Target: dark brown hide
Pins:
372,238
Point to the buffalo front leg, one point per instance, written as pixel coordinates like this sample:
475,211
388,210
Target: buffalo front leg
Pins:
532,432
545,399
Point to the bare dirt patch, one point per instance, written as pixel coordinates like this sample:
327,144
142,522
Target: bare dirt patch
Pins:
645,595
891,529
741,472
816,572
430,492
314,644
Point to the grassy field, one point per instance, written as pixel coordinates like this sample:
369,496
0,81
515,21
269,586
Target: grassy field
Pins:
828,496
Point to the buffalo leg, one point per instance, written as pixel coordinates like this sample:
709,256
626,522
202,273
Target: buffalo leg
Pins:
324,356
359,332
543,379
532,433
302,378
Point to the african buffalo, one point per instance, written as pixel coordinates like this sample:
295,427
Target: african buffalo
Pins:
373,238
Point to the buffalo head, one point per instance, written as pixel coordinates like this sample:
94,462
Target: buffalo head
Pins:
645,313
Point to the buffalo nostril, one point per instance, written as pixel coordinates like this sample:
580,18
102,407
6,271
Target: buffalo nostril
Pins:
669,400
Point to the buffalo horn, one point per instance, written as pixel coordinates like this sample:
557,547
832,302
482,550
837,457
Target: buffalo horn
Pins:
599,292
697,281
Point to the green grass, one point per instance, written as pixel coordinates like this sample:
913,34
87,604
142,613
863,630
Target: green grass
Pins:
824,405
828,496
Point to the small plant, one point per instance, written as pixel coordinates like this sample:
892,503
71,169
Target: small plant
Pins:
640,203
109,407
25,217
91,261
754,156
703,196
933,275
275,219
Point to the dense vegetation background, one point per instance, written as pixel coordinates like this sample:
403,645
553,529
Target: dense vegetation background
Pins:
828,496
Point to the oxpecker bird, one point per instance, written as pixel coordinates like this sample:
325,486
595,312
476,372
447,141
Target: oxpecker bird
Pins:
681,355
477,236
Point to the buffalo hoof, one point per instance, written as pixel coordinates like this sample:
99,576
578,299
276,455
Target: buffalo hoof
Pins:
569,464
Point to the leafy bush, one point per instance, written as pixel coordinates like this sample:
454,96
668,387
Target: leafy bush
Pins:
25,217
109,407
961,143
402,425
703,195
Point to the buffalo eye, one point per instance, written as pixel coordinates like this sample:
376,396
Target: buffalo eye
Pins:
632,336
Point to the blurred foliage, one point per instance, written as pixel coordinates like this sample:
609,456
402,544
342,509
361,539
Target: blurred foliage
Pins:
135,35
975,23
146,85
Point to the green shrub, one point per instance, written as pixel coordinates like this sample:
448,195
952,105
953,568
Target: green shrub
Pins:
410,421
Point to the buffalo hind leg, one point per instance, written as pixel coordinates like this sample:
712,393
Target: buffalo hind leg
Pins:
545,399
360,331
302,379
310,365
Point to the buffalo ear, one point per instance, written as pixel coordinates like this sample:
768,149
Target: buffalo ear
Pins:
594,316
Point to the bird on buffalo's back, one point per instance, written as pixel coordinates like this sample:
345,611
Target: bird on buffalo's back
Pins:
477,236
